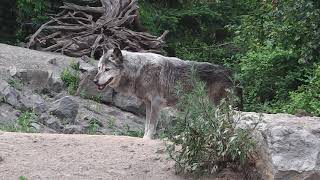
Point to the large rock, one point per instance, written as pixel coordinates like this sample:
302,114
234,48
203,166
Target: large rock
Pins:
111,120
39,70
8,114
9,94
289,146
39,80
51,122
34,102
129,103
13,59
66,109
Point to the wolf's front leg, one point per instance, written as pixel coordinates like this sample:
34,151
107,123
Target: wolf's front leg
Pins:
148,115
152,118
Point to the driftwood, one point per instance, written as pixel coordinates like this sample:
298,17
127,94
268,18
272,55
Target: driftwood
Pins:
84,30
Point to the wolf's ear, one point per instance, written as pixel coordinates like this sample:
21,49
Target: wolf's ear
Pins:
117,56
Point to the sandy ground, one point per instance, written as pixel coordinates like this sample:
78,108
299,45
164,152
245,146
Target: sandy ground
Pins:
87,157
59,156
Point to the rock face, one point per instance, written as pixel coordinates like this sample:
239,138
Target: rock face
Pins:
66,109
290,146
8,94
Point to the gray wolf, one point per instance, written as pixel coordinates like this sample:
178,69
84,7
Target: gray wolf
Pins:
153,78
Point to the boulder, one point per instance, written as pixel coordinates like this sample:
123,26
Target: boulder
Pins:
129,103
51,122
110,119
8,114
66,109
9,94
34,102
74,129
289,146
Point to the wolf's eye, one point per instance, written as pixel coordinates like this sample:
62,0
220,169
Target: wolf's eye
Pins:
107,69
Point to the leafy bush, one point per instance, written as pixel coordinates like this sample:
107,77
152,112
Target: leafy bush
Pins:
205,138
196,27
268,74
94,125
307,97
279,42
24,121
71,77
32,14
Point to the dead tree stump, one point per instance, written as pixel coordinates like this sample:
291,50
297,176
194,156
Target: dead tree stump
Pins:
84,30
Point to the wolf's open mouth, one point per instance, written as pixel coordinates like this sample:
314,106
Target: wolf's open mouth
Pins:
101,87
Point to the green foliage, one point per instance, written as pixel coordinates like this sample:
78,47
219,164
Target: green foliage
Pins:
94,125
268,74
22,178
196,27
279,42
111,122
31,12
307,97
15,83
23,123
71,77
205,138
291,24
8,128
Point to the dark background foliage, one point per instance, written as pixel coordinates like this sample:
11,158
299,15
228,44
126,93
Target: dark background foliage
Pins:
273,46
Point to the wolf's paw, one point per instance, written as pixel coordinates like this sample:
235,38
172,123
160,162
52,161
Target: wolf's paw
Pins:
147,137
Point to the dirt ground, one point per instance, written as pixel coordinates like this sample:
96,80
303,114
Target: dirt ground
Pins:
59,156
83,157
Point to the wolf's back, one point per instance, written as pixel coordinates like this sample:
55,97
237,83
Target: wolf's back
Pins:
219,79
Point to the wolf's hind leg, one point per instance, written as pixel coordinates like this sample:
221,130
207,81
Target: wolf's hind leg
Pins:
151,124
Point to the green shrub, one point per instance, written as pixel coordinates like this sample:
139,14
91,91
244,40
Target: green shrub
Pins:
93,126
22,178
71,78
267,75
31,12
196,27
23,123
307,97
205,138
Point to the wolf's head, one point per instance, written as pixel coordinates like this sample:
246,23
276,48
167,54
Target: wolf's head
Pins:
109,69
